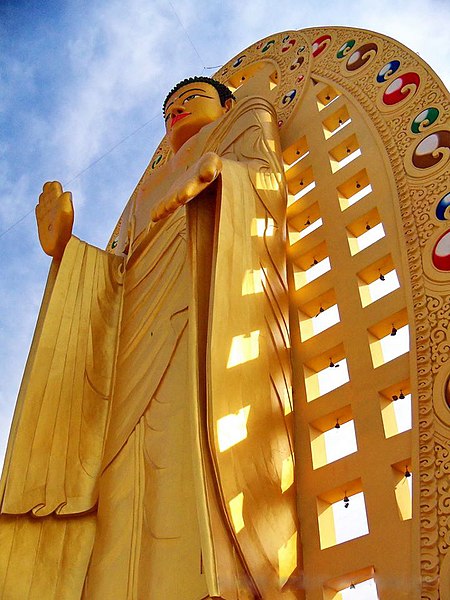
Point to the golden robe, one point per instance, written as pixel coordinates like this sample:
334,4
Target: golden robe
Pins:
151,453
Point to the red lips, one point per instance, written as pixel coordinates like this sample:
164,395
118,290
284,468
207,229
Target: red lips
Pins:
176,118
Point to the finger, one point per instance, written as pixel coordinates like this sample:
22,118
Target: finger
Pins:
210,177
158,213
66,201
189,191
52,187
207,175
44,207
173,204
50,190
192,188
66,213
210,168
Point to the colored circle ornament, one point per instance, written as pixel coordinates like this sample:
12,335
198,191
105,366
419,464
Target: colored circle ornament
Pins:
424,119
287,98
238,61
268,45
288,46
432,149
297,63
402,87
361,56
389,69
345,48
441,252
320,45
156,162
447,392
288,92
441,208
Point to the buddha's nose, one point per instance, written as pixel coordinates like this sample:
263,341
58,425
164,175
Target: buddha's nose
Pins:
177,110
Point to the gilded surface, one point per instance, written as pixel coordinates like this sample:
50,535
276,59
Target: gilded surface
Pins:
184,448
420,186
171,313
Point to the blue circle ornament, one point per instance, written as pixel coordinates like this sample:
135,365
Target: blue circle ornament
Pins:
238,61
289,96
442,206
389,69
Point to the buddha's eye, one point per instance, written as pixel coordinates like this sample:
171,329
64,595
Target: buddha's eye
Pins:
191,97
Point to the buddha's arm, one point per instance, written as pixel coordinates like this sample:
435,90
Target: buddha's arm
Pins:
56,442
189,185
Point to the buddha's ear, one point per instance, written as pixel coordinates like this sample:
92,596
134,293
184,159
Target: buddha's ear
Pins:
229,103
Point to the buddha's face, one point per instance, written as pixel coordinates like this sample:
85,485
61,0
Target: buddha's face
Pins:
189,109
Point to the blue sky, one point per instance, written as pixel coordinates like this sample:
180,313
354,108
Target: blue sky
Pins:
82,81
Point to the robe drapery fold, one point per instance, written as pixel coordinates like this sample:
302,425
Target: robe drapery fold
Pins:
211,289
57,441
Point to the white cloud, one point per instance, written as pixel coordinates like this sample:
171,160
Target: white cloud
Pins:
119,64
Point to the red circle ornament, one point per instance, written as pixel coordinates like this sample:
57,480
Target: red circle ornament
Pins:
441,252
320,44
400,88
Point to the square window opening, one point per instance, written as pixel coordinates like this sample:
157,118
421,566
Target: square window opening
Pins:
389,338
325,373
344,587
377,280
342,515
326,96
332,437
354,189
364,231
310,264
336,122
403,488
344,153
396,408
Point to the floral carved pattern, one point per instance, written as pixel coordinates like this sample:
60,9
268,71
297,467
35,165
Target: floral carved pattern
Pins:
419,188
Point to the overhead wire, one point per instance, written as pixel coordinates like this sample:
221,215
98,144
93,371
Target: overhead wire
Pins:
97,160
89,166
22,218
187,34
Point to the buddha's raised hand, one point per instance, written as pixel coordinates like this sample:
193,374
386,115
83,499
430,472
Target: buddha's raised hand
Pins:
54,215
189,185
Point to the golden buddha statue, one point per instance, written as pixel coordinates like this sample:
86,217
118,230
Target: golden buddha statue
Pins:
151,453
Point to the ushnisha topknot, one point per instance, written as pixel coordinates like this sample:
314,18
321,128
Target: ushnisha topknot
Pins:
224,92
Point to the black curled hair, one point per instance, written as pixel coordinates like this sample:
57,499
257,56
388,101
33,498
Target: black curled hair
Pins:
224,92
